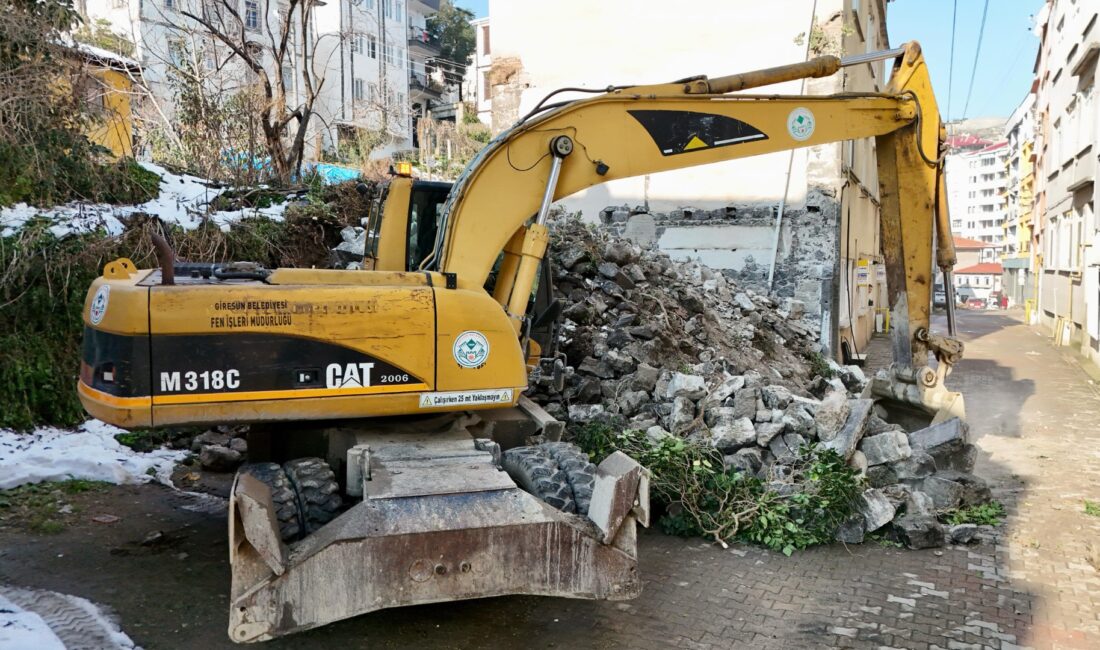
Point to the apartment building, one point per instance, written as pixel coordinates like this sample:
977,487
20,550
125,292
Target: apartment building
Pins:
1066,145
368,58
976,182
477,88
1016,256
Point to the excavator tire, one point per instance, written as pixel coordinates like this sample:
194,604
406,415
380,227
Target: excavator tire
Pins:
580,471
316,489
534,470
282,496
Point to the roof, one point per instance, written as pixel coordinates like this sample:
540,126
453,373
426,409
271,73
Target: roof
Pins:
993,147
967,243
106,57
965,140
985,268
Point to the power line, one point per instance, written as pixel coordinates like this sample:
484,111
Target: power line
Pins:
977,52
951,67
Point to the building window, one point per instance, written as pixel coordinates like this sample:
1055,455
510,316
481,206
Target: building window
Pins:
252,15
387,54
357,89
357,44
372,47
485,40
485,90
170,4
372,89
177,52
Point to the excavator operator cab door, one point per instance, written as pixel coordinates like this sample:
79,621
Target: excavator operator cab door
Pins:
403,222
426,201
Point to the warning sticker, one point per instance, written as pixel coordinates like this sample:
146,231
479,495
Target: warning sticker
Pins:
458,399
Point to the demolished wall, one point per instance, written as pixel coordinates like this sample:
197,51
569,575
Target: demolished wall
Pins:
738,241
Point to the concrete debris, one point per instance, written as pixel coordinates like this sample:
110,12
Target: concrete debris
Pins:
876,509
962,533
919,531
678,350
888,447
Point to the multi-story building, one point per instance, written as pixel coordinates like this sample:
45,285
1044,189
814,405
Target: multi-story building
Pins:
366,56
827,251
976,181
1016,257
477,88
978,270
1067,144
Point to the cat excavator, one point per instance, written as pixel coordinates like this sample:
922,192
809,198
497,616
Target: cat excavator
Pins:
396,378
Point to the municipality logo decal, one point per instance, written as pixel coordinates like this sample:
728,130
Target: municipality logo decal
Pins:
99,304
800,124
471,349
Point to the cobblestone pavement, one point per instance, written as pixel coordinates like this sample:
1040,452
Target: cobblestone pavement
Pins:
1029,584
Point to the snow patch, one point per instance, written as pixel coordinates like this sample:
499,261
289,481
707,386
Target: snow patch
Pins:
183,201
36,619
90,452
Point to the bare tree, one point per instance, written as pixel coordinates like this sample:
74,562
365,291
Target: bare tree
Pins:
276,50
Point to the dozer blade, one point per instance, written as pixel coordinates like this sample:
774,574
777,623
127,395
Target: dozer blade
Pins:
477,536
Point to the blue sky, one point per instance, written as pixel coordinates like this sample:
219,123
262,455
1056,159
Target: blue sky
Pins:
1003,75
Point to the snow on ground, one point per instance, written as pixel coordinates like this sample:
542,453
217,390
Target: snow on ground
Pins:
89,452
183,200
35,619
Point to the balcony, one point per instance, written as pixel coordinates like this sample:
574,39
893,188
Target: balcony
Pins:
422,44
421,86
1083,172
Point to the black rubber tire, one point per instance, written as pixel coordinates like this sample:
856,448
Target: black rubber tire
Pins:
282,495
317,491
535,471
580,471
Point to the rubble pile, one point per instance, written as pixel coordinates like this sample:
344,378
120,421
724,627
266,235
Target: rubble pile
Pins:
675,349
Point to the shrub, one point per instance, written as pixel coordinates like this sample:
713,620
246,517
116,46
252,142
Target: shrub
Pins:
800,505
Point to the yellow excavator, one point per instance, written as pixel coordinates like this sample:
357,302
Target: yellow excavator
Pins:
404,380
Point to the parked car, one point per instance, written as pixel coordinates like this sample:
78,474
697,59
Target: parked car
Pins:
975,303
939,297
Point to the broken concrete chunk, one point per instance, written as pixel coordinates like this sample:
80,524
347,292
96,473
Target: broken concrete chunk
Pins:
953,430
886,447
655,435
744,402
785,447
858,462
831,415
681,415
881,476
743,301
693,387
920,503
919,531
876,509
975,490
585,413
851,531
775,396
917,466
596,367
725,389
962,533
945,494
731,434
632,401
644,378
748,459
846,439
220,459
766,431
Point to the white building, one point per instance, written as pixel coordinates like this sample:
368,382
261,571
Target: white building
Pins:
976,183
1017,258
1067,113
365,54
477,88
595,44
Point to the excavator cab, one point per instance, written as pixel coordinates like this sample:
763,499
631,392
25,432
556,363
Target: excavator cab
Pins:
402,223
